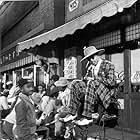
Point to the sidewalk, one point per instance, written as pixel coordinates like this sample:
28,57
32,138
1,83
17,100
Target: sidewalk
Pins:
112,134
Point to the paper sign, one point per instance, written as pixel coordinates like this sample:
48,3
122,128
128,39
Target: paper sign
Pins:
135,78
121,103
70,68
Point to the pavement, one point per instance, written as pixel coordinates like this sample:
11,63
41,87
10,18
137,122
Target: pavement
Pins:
111,134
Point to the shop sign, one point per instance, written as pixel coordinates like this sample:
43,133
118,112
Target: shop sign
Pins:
135,78
8,57
70,67
73,5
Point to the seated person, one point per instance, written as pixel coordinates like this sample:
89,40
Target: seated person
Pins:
64,98
100,85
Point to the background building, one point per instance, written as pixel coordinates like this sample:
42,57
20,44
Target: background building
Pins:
21,20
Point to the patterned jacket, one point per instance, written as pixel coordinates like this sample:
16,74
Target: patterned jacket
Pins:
101,86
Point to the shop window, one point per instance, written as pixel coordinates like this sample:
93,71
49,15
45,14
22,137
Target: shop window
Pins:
18,74
39,75
28,72
135,70
106,40
118,60
133,32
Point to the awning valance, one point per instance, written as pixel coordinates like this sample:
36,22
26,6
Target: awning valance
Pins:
19,63
110,8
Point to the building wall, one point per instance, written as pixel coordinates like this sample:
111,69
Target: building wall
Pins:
83,7
47,13
25,19
25,25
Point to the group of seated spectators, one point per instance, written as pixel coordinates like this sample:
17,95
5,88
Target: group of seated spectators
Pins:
52,99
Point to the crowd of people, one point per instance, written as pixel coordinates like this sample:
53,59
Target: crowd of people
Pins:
66,99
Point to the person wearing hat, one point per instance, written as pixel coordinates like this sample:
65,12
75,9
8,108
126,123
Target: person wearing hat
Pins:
100,78
25,126
63,98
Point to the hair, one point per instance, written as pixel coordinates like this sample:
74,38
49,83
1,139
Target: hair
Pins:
55,77
42,85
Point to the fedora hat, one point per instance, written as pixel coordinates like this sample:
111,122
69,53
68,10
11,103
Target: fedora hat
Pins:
61,82
91,50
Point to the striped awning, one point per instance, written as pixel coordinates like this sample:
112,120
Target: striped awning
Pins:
19,63
107,9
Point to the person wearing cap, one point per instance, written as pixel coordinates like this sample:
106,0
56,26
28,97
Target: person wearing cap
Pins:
25,126
100,78
63,98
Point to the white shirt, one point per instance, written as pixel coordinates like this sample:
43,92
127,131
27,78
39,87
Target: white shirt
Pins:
97,67
11,118
45,100
3,103
65,97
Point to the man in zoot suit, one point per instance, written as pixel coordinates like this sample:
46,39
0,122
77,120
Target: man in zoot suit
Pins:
101,83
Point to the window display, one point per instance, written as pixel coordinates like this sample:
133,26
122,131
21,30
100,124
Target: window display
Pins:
118,60
135,70
28,72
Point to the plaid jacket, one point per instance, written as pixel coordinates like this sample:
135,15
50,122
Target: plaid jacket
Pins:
102,86
78,90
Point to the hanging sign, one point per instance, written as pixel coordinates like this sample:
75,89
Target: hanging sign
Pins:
73,5
70,67
135,78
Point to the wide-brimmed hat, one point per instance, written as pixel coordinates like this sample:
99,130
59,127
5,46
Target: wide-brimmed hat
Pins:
91,50
61,82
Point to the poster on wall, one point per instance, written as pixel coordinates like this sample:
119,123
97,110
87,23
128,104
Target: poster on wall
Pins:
70,67
135,78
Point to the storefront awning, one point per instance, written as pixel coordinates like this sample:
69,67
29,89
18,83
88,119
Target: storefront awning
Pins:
110,8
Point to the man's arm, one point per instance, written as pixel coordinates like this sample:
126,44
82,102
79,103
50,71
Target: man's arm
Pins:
4,103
